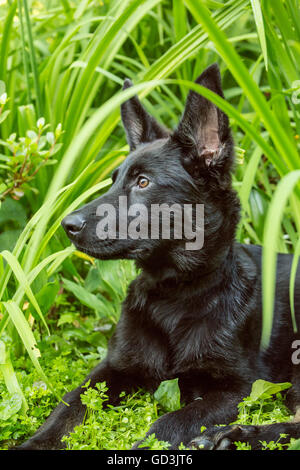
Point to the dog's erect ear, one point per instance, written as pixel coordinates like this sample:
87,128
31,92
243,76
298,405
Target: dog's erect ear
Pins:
140,127
204,128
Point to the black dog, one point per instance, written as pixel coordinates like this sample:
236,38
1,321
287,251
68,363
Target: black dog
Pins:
191,314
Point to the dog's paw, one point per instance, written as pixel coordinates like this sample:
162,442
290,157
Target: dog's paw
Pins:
29,445
223,437
36,443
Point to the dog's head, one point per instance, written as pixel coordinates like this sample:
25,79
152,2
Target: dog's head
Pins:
188,167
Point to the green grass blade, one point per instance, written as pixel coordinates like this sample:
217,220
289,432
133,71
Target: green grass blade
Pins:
170,61
258,17
27,337
5,40
33,59
286,148
249,177
9,375
24,53
20,276
292,284
102,50
271,232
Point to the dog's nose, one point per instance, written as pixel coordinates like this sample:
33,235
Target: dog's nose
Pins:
73,223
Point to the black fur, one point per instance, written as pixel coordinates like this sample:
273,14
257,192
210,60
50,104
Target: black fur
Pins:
195,315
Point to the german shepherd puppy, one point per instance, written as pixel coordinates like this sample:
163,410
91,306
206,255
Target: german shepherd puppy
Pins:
194,315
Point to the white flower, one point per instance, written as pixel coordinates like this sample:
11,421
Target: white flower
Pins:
40,123
3,98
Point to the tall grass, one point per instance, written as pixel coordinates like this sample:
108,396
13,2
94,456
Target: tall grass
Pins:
68,63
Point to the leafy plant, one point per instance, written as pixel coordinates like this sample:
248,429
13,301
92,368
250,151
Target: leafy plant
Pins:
27,156
15,425
260,407
116,427
104,287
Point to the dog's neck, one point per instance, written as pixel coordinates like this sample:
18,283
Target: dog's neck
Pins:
165,273
226,290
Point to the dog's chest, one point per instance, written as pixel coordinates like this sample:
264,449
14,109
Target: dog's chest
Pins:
166,337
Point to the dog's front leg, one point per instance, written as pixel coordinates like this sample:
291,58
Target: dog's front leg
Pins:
64,418
183,425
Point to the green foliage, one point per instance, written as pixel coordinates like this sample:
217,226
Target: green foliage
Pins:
116,427
63,63
16,426
10,407
261,389
113,427
168,395
13,218
104,287
295,445
260,407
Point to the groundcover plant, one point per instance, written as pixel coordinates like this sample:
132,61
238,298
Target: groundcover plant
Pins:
62,67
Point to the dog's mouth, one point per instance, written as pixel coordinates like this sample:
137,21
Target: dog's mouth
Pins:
110,251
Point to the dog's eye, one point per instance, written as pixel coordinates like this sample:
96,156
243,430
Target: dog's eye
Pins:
142,182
